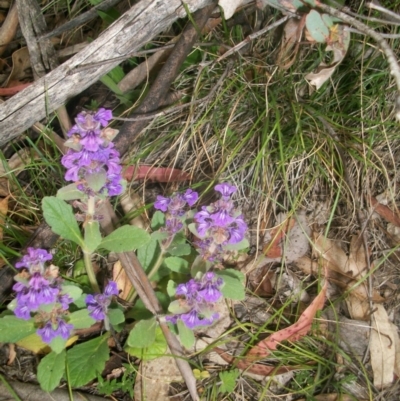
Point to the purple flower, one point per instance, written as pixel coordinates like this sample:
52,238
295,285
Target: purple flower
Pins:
173,225
218,225
47,333
237,230
200,296
98,304
51,331
22,311
203,221
162,203
91,141
91,153
193,319
190,197
64,300
111,289
225,189
35,259
210,290
37,292
104,116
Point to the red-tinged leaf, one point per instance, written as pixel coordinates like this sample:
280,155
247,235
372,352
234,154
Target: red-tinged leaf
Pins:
157,174
385,212
14,89
274,248
293,332
263,348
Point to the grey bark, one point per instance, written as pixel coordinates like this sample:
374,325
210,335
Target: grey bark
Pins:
130,32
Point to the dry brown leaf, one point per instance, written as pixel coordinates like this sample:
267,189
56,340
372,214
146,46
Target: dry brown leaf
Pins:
131,201
21,69
382,348
293,332
353,266
288,239
154,379
385,212
339,49
3,214
264,347
16,164
292,33
123,283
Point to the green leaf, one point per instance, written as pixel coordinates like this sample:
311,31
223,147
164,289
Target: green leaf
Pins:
177,265
50,370
86,360
81,319
143,334
96,181
70,192
92,236
155,350
13,329
125,239
58,344
72,290
116,316
228,379
243,244
158,220
171,288
185,334
60,217
233,287
149,254
140,312
199,266
317,27
109,82
179,250
177,307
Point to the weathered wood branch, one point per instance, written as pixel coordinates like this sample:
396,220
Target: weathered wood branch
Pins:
130,32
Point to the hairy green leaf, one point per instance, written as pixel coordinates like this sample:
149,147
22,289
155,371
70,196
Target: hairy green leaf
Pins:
125,239
86,360
60,217
13,329
50,370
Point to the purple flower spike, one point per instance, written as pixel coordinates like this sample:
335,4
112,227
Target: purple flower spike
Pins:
92,153
225,189
98,304
200,296
34,259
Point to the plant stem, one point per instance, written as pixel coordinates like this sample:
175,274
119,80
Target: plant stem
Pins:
87,256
